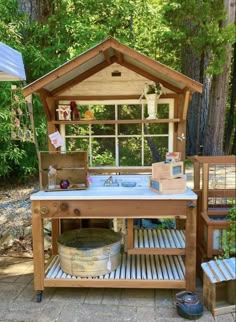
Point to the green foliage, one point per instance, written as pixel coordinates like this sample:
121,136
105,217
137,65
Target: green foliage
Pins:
229,235
157,28
198,25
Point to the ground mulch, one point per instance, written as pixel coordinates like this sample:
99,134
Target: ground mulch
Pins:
15,219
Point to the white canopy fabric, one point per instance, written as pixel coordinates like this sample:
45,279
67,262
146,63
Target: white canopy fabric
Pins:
11,64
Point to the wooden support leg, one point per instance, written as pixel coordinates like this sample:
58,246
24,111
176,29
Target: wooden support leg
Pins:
55,234
130,233
190,240
38,246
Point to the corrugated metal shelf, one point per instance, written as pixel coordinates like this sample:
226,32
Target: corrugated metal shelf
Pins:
158,241
133,268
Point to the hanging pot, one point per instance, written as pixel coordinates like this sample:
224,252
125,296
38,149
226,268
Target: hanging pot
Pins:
152,100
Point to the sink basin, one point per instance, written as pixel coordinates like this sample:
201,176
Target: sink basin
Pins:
128,184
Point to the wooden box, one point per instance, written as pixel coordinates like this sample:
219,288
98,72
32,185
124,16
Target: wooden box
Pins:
71,166
64,112
168,186
211,228
219,286
167,170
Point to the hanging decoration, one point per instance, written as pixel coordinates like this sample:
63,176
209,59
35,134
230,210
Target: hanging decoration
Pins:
21,117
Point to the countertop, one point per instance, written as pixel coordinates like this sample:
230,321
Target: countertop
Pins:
97,191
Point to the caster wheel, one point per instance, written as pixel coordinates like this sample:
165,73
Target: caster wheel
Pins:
39,296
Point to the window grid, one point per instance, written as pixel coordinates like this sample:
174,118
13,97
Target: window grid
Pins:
116,136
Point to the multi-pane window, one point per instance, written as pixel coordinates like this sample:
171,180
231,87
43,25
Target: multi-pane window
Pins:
121,136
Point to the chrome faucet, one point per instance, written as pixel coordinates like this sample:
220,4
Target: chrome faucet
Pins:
111,182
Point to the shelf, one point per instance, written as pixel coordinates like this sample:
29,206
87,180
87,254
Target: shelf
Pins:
118,121
158,241
139,270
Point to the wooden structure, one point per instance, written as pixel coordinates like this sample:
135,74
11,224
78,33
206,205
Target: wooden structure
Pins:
73,166
92,78
214,182
219,284
165,260
113,72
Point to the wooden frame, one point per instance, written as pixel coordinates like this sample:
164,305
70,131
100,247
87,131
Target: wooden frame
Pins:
57,208
206,226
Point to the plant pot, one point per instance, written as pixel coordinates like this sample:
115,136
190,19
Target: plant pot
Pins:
152,100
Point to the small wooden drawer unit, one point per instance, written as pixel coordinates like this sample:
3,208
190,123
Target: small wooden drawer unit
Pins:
168,186
167,170
71,166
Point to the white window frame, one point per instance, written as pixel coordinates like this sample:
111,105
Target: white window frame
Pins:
116,103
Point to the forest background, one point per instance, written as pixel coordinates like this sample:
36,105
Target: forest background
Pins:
195,37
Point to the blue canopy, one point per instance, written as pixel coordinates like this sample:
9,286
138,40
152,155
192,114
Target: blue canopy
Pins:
11,64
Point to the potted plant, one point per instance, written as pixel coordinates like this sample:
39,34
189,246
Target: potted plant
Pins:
152,92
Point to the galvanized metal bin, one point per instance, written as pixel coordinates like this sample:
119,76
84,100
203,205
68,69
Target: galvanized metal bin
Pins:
89,252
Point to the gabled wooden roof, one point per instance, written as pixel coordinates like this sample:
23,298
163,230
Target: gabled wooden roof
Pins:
103,55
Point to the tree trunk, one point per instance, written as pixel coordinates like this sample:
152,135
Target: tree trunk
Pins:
39,10
190,67
214,135
231,115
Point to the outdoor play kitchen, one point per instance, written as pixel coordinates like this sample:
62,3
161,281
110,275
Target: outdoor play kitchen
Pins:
114,224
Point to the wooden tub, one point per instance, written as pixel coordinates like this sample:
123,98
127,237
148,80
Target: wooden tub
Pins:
89,252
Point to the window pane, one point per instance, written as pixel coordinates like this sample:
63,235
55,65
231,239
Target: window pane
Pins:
130,151
103,112
163,111
103,152
153,147
158,128
129,129
76,129
77,144
103,129
129,112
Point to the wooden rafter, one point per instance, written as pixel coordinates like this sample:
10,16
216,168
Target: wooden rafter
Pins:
120,57
121,53
166,71
80,78
44,94
186,103
107,56
62,70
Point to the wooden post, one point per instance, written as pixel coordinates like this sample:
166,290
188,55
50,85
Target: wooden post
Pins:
190,258
38,246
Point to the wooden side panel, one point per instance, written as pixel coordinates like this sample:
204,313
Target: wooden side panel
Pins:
71,166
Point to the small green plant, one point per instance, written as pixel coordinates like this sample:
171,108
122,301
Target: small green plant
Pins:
229,235
153,88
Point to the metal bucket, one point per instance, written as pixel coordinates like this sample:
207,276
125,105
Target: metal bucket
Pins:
89,252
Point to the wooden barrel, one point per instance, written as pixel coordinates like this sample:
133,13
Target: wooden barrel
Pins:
89,251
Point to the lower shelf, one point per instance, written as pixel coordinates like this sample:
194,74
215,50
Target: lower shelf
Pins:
136,271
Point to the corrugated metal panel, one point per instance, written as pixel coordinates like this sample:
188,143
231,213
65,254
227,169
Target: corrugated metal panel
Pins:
220,270
159,238
141,267
148,69
11,64
75,72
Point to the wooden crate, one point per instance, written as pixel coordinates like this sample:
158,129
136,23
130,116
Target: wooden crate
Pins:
167,170
168,186
72,166
219,286
211,227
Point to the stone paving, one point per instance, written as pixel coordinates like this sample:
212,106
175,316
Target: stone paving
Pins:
18,301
